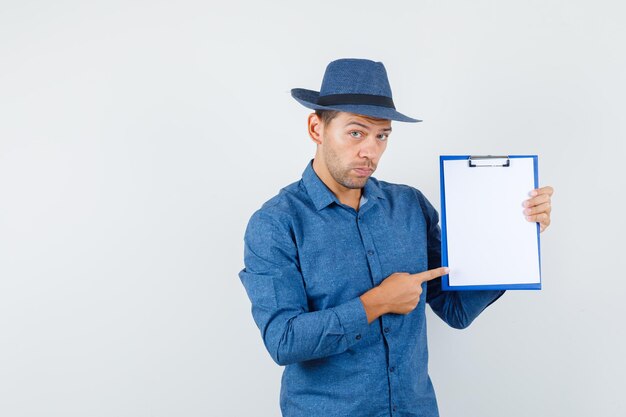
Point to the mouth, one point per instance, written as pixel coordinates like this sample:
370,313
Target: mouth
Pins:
363,171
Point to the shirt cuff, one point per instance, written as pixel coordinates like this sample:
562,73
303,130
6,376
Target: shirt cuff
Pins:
353,320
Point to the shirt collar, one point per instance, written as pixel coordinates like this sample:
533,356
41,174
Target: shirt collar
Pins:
322,196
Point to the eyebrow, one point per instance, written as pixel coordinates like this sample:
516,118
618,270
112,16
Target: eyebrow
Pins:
387,129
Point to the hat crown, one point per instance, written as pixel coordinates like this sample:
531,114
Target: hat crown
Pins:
355,76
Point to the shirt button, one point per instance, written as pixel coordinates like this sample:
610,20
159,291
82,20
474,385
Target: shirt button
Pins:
370,252
358,337
392,369
394,408
386,330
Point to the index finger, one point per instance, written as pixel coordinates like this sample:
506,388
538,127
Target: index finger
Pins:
431,274
543,190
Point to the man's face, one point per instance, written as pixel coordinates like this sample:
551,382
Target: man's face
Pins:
352,146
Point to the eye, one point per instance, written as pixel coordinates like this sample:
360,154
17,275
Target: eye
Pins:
355,134
383,136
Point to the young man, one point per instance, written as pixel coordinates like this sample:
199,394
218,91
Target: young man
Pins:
339,266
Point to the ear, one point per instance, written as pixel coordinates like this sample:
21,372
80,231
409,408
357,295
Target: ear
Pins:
315,128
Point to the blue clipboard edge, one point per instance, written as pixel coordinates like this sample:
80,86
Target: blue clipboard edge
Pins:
445,284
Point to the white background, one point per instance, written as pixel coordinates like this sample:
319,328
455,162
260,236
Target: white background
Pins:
137,138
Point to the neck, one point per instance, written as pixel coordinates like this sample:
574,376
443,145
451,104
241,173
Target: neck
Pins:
348,196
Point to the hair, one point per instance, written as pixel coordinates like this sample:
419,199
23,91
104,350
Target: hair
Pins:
326,115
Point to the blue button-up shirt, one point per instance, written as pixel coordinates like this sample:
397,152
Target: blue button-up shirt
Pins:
308,258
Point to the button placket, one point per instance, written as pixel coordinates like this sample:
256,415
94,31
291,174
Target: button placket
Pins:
368,246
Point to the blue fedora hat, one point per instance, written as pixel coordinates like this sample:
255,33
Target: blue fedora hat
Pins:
356,86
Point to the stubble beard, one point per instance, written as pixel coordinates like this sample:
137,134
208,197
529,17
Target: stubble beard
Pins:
341,174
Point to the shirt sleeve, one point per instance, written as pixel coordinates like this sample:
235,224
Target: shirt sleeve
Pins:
275,286
457,308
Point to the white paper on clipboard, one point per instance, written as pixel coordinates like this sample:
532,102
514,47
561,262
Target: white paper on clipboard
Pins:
486,240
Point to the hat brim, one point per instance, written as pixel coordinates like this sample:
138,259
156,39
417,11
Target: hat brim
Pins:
308,98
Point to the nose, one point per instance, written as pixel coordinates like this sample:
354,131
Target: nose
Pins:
368,147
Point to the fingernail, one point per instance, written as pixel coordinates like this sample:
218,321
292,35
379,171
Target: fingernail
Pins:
528,218
533,193
527,211
446,270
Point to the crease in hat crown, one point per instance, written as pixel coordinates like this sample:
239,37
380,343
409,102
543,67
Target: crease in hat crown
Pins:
355,76
353,85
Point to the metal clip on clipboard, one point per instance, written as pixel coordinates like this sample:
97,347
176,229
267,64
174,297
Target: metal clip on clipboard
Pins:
489,161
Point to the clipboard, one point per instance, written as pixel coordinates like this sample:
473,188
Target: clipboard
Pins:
486,240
